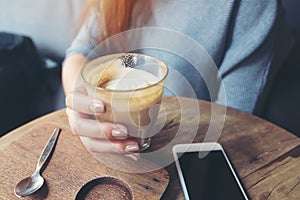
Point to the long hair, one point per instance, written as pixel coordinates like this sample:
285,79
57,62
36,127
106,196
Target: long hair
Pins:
113,16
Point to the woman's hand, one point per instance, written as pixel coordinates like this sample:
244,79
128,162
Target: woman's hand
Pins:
82,112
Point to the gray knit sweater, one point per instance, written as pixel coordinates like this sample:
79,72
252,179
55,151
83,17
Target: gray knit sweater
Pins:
226,51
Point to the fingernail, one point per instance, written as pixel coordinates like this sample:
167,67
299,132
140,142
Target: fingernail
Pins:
133,156
131,148
119,133
96,107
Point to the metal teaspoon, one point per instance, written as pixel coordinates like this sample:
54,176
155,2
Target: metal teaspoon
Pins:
31,184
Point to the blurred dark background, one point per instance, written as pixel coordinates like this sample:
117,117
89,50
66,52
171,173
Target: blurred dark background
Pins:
50,26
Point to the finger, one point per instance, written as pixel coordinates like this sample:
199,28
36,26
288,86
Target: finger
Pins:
82,103
133,156
71,120
111,146
95,129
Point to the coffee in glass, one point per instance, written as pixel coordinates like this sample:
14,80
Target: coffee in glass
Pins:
130,86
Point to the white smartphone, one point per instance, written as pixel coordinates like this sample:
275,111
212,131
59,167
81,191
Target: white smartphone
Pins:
205,172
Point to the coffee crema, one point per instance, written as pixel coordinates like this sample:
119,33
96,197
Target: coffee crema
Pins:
115,76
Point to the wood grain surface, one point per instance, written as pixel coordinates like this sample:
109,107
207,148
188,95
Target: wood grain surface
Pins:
265,156
70,167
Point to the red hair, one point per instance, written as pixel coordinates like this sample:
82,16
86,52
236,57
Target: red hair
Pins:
114,16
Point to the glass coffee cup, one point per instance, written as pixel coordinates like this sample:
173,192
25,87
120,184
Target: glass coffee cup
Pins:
131,87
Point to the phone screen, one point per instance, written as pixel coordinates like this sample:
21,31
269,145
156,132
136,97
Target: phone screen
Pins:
208,176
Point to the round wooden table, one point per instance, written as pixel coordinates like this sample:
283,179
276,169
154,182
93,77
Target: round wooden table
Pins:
265,156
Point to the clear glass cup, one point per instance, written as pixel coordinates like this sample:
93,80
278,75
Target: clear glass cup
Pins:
131,86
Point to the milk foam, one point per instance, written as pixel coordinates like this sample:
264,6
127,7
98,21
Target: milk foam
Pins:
117,77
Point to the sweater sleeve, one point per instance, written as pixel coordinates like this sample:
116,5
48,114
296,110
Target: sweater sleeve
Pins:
256,46
86,39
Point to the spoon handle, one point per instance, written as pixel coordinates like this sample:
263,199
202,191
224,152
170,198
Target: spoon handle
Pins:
48,148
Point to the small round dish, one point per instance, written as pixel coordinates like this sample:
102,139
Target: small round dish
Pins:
105,188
